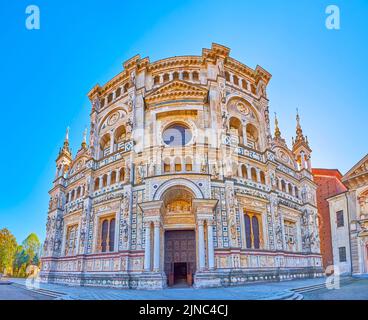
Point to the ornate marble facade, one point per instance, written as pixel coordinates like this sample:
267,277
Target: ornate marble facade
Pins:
182,175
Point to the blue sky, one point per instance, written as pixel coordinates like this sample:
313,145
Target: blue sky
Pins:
46,74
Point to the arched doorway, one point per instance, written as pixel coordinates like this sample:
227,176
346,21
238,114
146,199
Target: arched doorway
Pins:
180,236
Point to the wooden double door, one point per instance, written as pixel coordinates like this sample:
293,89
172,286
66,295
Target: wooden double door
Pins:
180,256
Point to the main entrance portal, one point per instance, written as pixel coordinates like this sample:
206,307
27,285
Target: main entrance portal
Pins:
180,256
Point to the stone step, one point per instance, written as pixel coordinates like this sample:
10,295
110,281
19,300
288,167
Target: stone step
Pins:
319,286
46,292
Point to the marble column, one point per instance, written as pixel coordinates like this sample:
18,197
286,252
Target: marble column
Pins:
201,248
249,172
100,183
211,252
156,247
258,174
112,143
147,250
245,139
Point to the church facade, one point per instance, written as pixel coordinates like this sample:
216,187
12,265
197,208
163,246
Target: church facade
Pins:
182,181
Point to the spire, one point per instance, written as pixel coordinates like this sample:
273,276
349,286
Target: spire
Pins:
299,132
277,129
84,142
65,150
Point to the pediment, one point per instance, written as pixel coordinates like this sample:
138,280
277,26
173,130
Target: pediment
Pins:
177,90
359,169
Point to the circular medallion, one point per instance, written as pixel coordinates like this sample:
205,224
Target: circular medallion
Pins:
243,108
113,119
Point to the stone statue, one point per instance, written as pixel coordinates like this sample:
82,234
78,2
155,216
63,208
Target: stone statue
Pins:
214,170
140,173
225,122
151,168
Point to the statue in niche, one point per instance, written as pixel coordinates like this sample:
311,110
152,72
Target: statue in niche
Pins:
129,126
125,205
204,166
220,67
140,173
151,168
127,173
214,170
125,229
132,79
225,120
96,104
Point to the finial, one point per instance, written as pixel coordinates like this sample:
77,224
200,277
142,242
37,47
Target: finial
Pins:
84,142
67,134
299,131
277,130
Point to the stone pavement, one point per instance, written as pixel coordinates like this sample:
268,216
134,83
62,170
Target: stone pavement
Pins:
356,290
10,292
264,291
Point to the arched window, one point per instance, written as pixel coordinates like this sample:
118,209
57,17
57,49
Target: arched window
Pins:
167,166
188,164
185,75
176,135
236,80
236,127
105,144
104,232
113,177
253,89
195,76
97,183
244,171
120,137
78,192
110,97
104,181
126,87
107,234
166,77
263,177
252,136
156,80
283,186
227,76
73,195
253,235
102,102
122,174
248,231
296,192
176,75
177,164
290,188
244,84
118,92
253,173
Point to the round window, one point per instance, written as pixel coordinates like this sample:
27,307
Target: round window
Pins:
177,135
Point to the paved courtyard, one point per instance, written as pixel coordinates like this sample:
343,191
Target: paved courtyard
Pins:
356,289
11,292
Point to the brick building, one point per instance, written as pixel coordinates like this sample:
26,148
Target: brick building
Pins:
328,184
